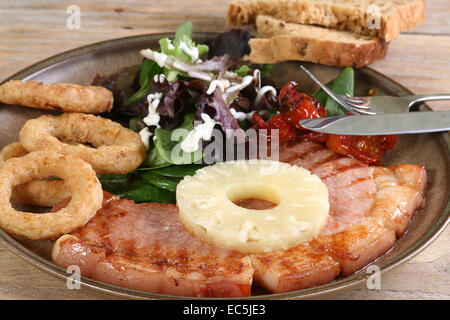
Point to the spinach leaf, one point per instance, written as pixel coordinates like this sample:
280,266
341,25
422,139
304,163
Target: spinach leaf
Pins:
342,84
178,171
143,191
148,188
184,30
114,182
148,71
153,159
162,182
134,123
167,143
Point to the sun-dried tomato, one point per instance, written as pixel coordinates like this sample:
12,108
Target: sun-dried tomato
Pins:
317,137
388,142
364,148
297,106
285,131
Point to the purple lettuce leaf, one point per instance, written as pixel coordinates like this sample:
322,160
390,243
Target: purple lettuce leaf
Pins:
268,101
175,96
214,106
110,83
233,43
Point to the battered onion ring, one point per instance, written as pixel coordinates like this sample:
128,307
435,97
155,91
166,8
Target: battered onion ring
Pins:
80,179
13,150
57,96
43,193
118,150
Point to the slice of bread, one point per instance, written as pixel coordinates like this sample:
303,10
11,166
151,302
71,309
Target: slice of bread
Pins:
383,19
283,41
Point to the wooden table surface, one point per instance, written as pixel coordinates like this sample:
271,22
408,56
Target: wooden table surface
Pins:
33,30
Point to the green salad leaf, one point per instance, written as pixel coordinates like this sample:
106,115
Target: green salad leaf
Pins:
243,70
342,84
156,185
167,143
267,70
163,182
179,48
149,68
154,160
114,182
178,171
132,124
184,30
147,72
143,191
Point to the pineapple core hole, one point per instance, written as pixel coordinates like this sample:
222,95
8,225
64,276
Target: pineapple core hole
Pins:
254,196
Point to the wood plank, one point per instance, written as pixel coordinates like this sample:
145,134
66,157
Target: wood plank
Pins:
420,63
436,18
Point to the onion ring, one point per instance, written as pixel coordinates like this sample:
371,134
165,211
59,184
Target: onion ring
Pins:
57,96
118,150
86,194
43,193
13,150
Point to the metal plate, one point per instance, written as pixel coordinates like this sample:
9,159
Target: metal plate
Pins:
104,58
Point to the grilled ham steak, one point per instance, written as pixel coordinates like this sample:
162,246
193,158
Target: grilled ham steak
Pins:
145,247
368,207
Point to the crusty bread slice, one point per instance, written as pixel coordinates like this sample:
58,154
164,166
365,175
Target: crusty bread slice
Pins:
359,16
289,41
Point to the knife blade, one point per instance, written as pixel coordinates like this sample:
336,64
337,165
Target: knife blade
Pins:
381,124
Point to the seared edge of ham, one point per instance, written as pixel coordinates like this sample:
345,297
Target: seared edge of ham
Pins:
299,267
399,194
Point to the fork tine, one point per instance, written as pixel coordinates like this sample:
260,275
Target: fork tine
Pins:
361,108
360,111
355,100
359,101
356,105
331,93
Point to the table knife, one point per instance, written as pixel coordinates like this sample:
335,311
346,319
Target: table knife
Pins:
381,124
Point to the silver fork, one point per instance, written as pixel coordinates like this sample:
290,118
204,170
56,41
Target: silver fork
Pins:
377,104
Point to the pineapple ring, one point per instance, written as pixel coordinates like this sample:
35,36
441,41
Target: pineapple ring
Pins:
207,209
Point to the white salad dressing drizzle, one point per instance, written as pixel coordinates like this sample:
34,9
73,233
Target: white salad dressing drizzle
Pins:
159,78
238,87
222,84
170,46
240,116
159,57
230,74
153,117
261,92
191,52
257,77
145,136
191,142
